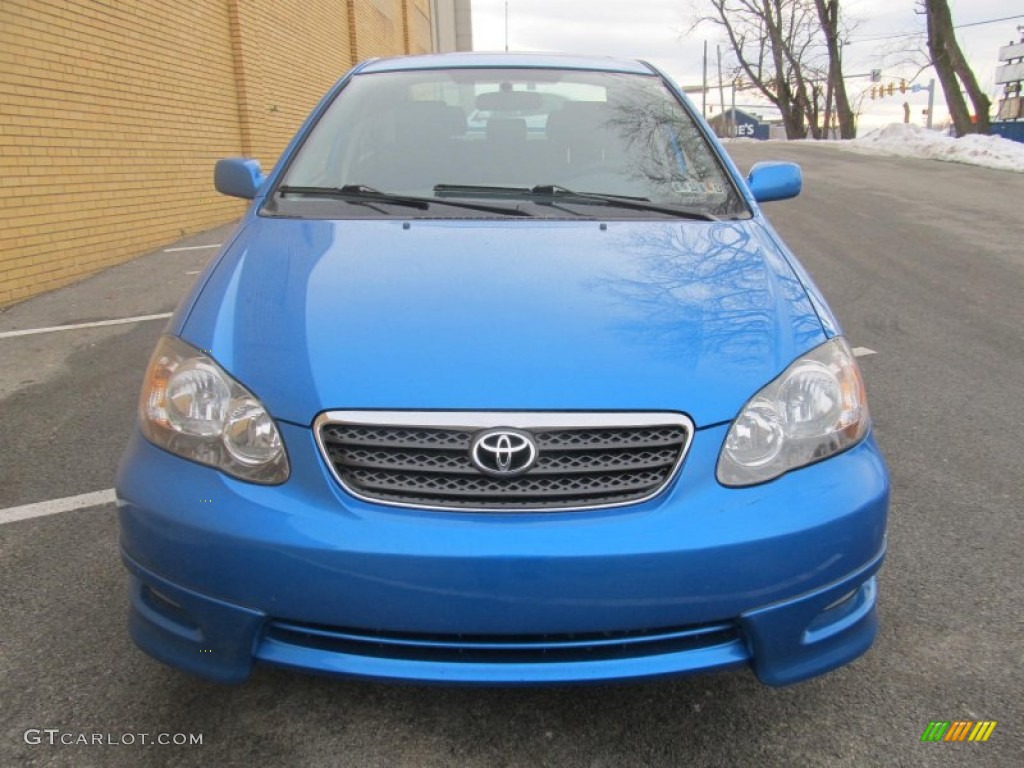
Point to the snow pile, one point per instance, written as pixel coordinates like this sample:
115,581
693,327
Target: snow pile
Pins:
914,141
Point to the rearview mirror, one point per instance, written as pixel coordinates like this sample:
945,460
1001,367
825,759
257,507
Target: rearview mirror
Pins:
509,101
238,177
775,181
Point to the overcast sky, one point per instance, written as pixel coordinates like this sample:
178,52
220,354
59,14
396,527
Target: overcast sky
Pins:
656,30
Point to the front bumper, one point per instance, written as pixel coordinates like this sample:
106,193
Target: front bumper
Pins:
779,576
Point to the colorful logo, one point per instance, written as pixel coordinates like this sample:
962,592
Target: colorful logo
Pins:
958,730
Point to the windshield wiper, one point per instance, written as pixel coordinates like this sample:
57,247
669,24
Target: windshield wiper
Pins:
566,195
360,193
357,192
479,189
621,201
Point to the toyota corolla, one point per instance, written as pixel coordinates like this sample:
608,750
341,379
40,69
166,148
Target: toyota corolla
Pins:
547,401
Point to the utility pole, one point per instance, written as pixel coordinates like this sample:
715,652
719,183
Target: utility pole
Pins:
704,89
732,117
931,101
721,90
506,26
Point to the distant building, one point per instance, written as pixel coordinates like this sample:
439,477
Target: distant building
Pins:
452,25
739,124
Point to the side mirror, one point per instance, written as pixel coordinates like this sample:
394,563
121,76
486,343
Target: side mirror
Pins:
238,177
775,181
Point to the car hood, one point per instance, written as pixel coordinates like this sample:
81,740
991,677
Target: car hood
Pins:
313,315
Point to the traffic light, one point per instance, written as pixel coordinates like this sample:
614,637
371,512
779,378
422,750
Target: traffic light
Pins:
903,86
891,88
872,93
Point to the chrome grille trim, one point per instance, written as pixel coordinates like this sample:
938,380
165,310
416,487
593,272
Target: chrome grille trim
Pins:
426,457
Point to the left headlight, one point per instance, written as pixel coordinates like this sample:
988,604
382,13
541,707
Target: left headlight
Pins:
816,408
192,408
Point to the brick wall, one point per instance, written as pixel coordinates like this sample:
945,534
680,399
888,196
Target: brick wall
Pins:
287,53
417,18
112,114
379,28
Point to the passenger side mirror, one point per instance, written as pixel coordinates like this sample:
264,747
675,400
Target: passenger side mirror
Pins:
775,181
238,177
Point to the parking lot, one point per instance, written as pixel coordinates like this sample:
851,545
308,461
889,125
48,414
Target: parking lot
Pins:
922,262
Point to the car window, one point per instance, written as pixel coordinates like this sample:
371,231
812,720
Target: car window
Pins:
592,132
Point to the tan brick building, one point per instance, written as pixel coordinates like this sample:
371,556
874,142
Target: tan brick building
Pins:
112,114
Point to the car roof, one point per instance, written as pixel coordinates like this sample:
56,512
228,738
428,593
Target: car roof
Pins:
518,60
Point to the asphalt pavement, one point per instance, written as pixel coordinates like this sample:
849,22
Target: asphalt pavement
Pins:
922,262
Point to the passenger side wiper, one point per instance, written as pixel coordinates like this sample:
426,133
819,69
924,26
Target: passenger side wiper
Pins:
570,196
356,191
359,193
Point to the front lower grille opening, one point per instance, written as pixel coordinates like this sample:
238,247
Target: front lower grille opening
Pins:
576,467
602,646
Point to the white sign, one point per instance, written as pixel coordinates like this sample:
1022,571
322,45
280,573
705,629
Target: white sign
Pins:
1010,73
1008,52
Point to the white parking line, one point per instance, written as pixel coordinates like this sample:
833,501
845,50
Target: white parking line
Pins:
55,506
863,352
76,326
192,247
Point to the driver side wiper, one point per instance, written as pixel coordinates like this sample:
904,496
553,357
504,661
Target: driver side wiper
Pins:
360,193
622,201
569,196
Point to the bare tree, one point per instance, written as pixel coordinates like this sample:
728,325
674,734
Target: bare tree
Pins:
828,15
952,70
775,43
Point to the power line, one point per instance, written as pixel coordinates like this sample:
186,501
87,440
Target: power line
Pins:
922,32
989,21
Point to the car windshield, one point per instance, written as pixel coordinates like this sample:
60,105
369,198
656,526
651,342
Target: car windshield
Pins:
530,138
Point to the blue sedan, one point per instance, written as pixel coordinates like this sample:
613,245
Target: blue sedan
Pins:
504,405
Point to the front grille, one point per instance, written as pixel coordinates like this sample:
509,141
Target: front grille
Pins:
582,460
506,649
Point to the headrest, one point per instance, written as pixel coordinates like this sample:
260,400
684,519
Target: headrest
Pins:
577,119
430,120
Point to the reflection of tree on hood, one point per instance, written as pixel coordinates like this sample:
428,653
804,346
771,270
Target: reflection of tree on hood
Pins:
721,276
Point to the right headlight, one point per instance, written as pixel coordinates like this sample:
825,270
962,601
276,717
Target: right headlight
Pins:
816,408
192,407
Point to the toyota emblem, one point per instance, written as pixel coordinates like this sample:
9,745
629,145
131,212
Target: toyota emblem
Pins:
503,452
